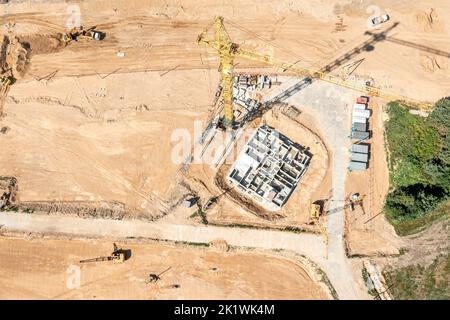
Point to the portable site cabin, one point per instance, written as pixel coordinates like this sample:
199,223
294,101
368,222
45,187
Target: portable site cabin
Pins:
358,126
361,113
356,119
360,148
360,157
360,135
362,100
354,166
359,106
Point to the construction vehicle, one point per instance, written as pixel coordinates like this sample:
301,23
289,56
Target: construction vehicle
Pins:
77,34
315,213
380,19
357,200
153,277
5,82
228,50
117,256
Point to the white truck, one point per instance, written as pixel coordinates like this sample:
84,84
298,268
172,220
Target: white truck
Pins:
380,19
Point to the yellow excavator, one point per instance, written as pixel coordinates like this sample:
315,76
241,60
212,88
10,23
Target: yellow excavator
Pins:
315,213
117,256
5,82
78,33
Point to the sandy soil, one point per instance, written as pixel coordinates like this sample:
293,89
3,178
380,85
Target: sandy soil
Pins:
296,211
230,208
94,139
37,269
157,35
367,230
101,128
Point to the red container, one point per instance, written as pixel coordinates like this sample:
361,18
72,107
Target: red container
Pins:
363,100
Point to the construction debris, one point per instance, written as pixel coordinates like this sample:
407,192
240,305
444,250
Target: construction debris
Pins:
87,209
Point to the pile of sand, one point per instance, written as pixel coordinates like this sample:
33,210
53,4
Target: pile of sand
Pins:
43,43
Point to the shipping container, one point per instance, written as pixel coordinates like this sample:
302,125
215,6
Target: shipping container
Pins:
356,119
363,100
360,148
359,106
361,113
360,135
354,165
357,126
360,157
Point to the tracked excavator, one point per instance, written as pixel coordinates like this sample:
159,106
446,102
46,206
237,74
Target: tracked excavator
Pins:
117,256
78,33
5,82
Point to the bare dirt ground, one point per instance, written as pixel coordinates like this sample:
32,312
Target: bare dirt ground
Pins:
85,137
422,248
94,139
37,269
163,36
419,250
367,230
233,208
101,127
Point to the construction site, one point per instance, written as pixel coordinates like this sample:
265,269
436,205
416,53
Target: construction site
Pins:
224,125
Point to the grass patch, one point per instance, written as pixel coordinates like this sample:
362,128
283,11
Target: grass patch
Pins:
421,283
419,167
408,227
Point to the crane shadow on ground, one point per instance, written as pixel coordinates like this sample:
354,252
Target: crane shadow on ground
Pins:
366,46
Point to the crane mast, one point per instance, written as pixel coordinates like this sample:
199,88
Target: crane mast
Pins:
226,50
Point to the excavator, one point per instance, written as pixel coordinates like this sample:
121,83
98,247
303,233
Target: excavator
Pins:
5,82
78,33
315,212
117,256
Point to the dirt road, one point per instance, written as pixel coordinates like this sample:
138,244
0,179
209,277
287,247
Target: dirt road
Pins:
329,106
306,244
46,269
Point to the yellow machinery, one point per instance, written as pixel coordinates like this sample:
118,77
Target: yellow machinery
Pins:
315,211
5,82
76,34
227,50
117,256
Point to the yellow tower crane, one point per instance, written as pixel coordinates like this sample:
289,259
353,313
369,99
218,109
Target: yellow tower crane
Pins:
227,50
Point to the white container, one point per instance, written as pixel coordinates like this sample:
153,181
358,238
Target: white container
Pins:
359,119
361,113
359,106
